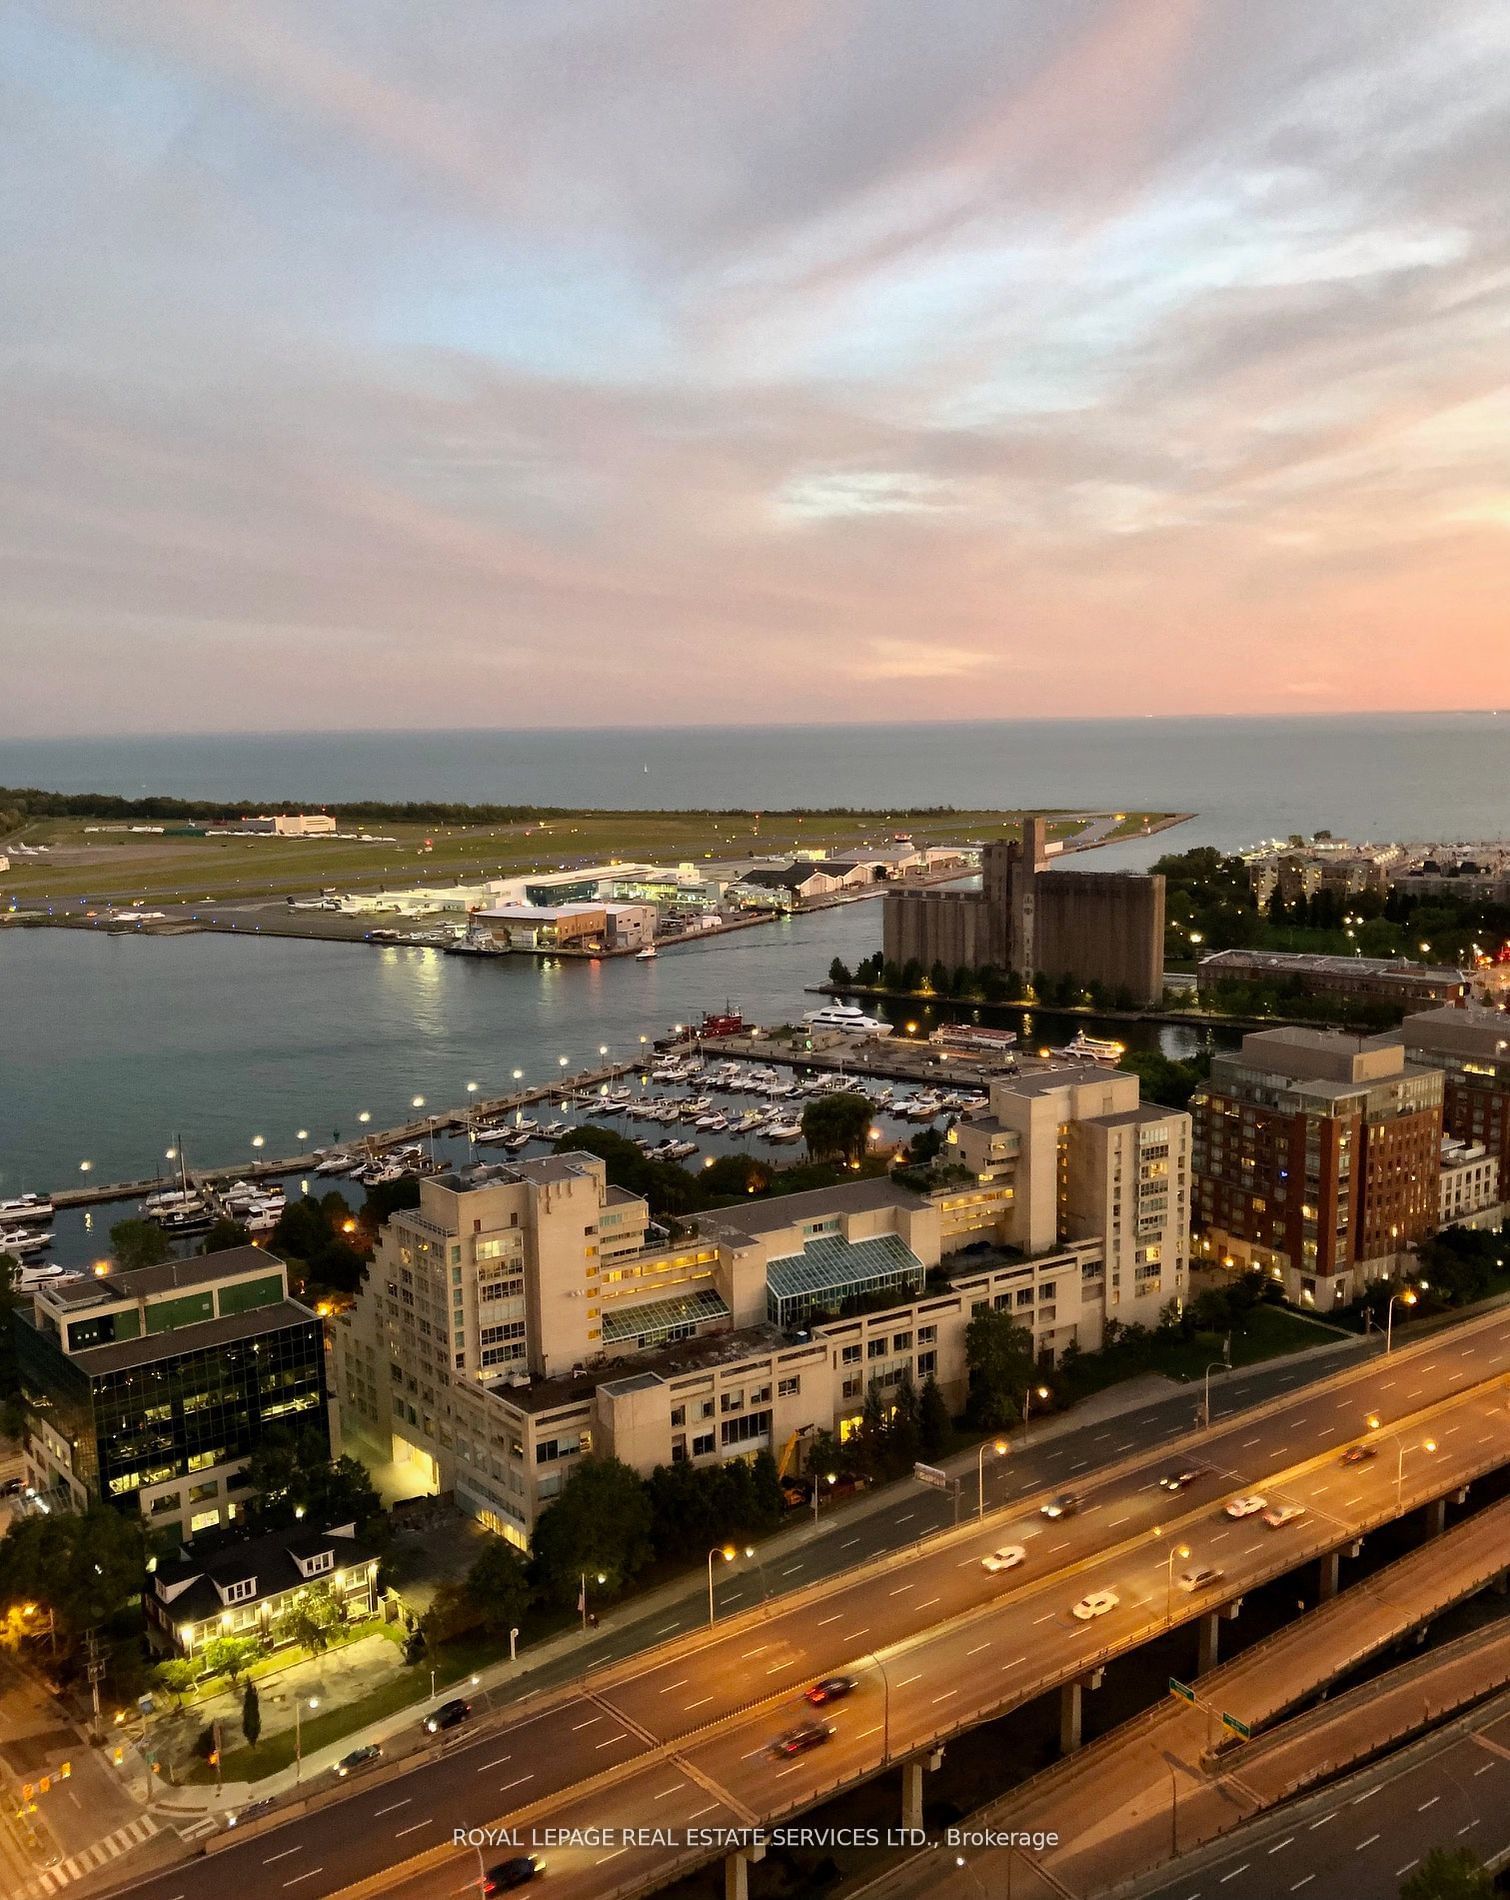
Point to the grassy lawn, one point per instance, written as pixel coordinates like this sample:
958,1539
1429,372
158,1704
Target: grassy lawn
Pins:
124,865
1270,1333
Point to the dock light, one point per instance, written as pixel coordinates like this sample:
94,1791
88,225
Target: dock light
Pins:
418,1102
602,1049
518,1075
471,1088
85,1166
365,1116
258,1141
301,1134
562,1060
170,1154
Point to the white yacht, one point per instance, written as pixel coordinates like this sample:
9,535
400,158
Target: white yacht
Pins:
26,1208
1084,1048
647,955
849,1017
20,1241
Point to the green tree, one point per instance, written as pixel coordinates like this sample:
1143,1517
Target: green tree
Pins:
999,1355
839,974
453,1613
837,1127
139,1243
251,1715
1449,1873
294,1479
599,1526
230,1656
934,1427
85,1566
499,1587
310,1619
736,1175
177,1675
224,1235
904,1432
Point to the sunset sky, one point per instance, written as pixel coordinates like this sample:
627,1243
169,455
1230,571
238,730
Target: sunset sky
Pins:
576,362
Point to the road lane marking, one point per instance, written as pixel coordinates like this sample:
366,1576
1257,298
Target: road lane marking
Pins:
906,1679
1368,1843
790,1571
394,1808
612,1739
517,1784
587,1724
905,1518
945,1696
1234,1874
901,1587
675,1788
758,1650
1014,1662
849,1544
309,1874
1367,1795
929,1604
1044,1619
699,1702
822,1621
494,1764
413,1827
773,1668
613,1856
1322,1822
284,1855
1401,1872
702,1811
1304,1881
1118,1520
667,1690
1284,1843
1428,1804
977,1649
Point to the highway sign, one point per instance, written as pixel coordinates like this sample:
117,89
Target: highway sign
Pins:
1238,1728
1176,1687
930,1474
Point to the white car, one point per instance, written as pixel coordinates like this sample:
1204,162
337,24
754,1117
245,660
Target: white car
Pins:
1283,1514
1200,1578
1007,1558
1096,1604
1246,1507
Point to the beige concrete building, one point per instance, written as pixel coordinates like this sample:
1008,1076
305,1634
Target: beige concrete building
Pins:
1470,1184
526,1315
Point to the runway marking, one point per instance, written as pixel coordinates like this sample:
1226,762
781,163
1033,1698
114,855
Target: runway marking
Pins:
493,1764
284,1855
666,1691
394,1807
413,1827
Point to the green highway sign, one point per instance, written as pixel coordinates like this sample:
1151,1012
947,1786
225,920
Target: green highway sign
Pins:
1238,1728
1181,1689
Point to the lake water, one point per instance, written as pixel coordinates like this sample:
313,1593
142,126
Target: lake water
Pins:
109,1046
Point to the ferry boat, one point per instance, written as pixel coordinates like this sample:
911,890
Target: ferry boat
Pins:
25,1208
1084,1048
848,1017
974,1037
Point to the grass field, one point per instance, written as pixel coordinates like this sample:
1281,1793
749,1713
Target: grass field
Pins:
121,866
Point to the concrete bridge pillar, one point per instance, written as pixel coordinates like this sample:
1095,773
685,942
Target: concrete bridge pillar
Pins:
1210,1628
912,1794
1436,1517
737,1872
1330,1571
1071,1699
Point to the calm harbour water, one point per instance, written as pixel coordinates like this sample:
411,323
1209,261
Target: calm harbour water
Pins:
110,1046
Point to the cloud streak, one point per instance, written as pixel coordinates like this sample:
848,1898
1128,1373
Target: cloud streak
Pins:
632,361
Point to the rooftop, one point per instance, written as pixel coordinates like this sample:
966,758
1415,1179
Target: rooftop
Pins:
270,1560
173,1276
1311,962
787,1210
832,1264
126,1353
666,1362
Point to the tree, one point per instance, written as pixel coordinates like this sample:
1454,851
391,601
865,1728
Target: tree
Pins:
498,1587
839,974
139,1243
230,1656
85,1566
904,1432
294,1477
837,1127
1449,1873
741,1175
177,1675
251,1715
999,1354
452,1613
599,1526
224,1235
935,1429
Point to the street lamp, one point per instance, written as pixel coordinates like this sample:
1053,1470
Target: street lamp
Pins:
829,1478
314,1703
1427,1445
885,1709
582,1596
1206,1401
1033,1392
1000,1447
728,1553
1406,1298
1182,1551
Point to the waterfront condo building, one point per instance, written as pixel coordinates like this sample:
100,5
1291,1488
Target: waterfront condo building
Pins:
1472,1049
1317,1158
152,1389
527,1314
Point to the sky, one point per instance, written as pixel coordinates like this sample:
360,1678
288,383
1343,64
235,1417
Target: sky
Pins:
606,362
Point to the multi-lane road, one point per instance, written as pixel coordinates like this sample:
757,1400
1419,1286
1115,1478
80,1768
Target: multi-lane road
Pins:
680,1738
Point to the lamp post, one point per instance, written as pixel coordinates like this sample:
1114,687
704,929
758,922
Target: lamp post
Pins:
829,1478
582,1596
1206,1385
885,1709
1039,1392
1181,1551
1406,1298
1427,1445
1000,1447
728,1553
314,1703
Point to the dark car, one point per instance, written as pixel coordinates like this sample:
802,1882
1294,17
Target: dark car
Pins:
448,1715
831,1689
358,1758
1359,1454
508,1874
797,1741
1177,1480
250,1811
1065,1505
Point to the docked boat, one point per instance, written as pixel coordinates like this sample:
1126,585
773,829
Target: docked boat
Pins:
24,1209
191,1217
784,1131
647,955
21,1241
499,1132
1084,1048
553,1131
338,1161
849,1018
974,1038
